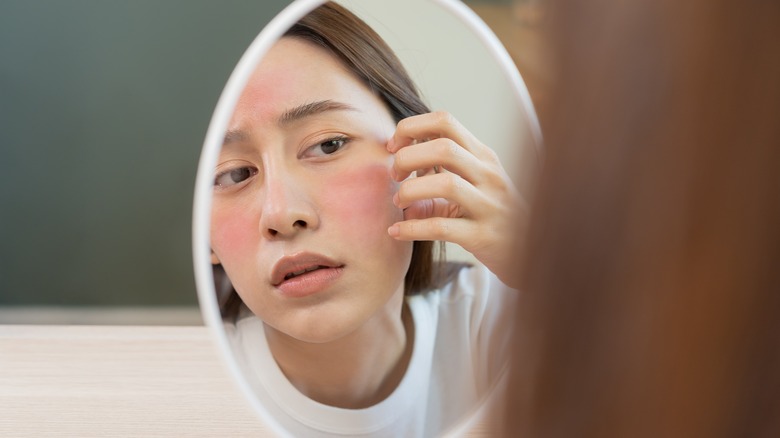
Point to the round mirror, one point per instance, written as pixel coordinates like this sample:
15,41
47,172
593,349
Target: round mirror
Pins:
331,320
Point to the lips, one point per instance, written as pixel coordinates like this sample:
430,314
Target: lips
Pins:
296,265
303,271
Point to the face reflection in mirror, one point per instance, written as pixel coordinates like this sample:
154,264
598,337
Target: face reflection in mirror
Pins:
335,325
302,203
303,184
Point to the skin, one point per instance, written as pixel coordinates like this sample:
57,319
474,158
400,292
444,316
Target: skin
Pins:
350,184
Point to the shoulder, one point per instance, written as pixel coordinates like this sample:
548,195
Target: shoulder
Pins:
469,319
474,291
473,305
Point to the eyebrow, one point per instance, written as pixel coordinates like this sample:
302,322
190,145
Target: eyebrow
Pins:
290,116
312,109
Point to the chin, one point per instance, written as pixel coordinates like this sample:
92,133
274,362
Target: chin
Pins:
322,333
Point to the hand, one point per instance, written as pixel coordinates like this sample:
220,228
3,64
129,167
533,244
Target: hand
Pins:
460,194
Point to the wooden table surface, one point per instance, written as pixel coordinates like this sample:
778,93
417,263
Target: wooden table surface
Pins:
107,381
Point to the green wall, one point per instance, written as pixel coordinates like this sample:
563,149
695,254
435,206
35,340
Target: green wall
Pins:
103,110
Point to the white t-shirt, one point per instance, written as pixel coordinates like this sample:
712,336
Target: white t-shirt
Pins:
459,354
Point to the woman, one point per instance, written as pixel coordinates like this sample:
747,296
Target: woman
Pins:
333,181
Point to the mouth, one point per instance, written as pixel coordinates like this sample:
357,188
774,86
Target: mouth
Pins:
290,275
299,266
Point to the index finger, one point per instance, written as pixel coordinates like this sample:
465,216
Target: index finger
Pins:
439,124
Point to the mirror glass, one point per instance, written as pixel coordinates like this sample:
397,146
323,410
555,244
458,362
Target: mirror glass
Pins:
330,325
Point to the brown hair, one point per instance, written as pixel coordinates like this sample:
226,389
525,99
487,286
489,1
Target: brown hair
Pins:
652,282
366,55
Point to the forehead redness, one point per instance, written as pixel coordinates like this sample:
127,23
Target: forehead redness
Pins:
292,73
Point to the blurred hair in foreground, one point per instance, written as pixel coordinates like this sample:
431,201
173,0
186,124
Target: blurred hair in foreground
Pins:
651,278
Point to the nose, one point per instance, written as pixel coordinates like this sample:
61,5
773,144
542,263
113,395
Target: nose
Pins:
287,208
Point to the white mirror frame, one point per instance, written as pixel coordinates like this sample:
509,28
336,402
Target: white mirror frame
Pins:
201,219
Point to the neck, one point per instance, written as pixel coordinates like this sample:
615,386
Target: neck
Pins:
355,371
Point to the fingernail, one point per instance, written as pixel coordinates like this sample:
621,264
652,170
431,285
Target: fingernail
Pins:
394,231
390,144
396,199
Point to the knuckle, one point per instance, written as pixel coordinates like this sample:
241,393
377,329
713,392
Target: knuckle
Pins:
403,191
445,118
415,229
493,179
403,124
499,180
439,228
445,146
401,157
453,148
452,183
492,156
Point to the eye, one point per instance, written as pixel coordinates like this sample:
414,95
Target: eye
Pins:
232,177
332,146
328,147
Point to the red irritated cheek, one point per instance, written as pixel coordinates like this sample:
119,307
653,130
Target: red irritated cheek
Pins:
231,229
361,197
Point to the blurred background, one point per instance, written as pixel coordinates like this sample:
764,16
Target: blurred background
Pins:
103,111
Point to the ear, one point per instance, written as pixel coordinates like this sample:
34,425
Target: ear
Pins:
214,259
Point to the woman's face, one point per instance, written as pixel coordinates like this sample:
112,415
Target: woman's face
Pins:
303,197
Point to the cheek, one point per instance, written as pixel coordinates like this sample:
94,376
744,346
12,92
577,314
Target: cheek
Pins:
362,198
230,229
